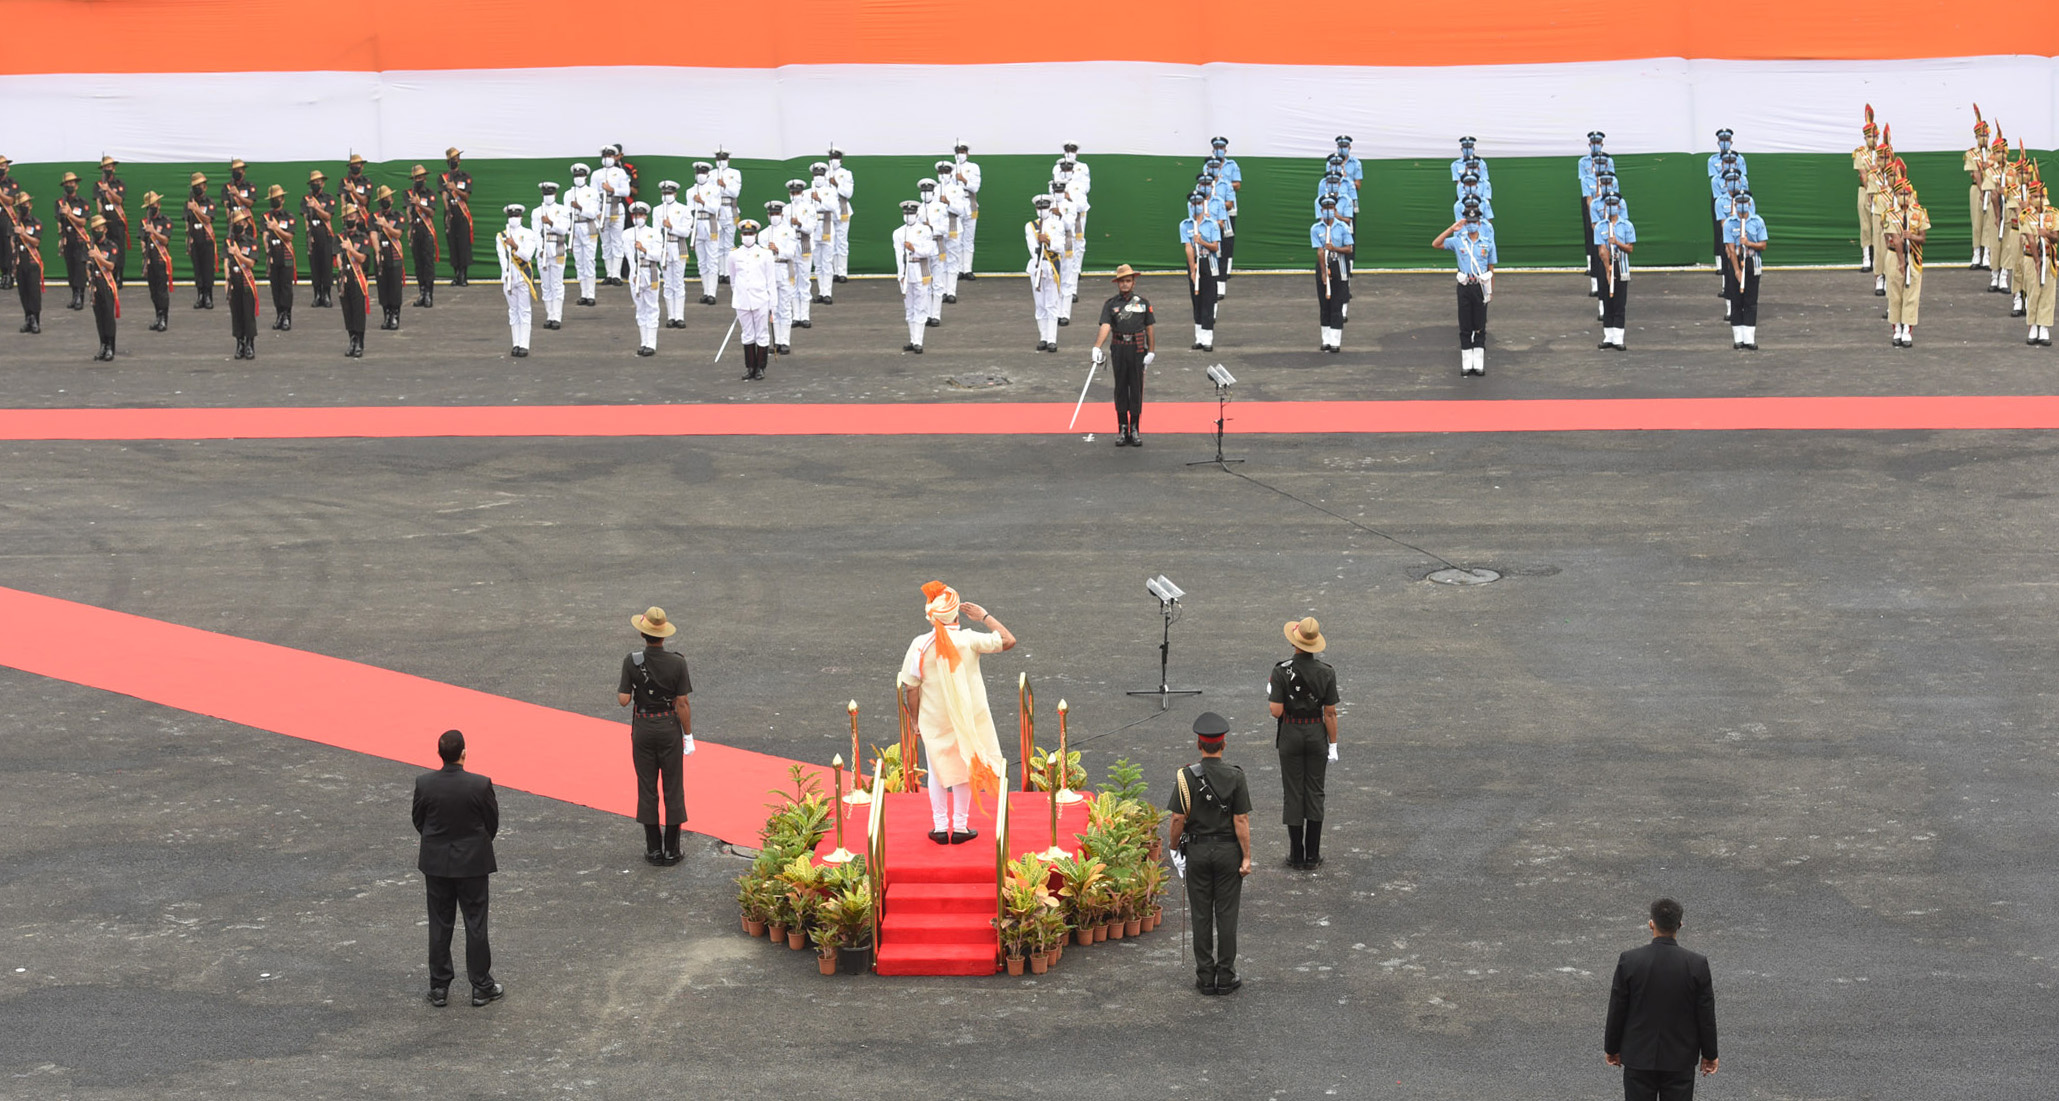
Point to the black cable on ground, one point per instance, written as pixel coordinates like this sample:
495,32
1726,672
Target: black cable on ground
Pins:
1362,527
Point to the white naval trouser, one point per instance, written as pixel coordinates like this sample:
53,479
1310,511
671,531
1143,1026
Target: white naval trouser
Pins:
843,244
706,256
643,287
725,236
583,234
915,305
804,270
1069,276
675,279
611,245
754,327
551,262
518,310
971,236
954,258
783,304
1044,291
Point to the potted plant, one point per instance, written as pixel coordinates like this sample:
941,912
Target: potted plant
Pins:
1080,881
757,897
849,912
1043,766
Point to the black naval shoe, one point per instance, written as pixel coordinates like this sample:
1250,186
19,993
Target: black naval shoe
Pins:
707,300
553,324
826,300
966,275
950,300
935,323
840,279
611,281
439,996
1043,344
804,324
1053,349
486,995
721,280
1197,346
918,349
909,347
785,349
646,351
1064,321
586,302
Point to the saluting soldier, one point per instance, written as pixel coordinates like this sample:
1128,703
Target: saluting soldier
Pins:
107,303
10,191
1042,235
157,259
281,267
1210,838
1202,239
552,221
28,263
915,252
2040,226
1903,231
422,230
238,190
1616,237
455,185
110,199
1131,330
1333,246
1974,163
516,248
239,266
200,242
389,251
1744,246
1471,241
357,185
1862,163
352,257
72,231
321,239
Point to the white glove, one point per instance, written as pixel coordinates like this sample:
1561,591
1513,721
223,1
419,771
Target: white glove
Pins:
1333,749
1179,864
686,748
1098,357
1148,357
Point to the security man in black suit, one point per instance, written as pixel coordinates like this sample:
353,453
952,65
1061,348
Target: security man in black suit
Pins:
1662,1014
1302,694
1211,847
457,814
657,681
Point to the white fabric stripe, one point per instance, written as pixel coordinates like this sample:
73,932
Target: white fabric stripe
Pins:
1651,106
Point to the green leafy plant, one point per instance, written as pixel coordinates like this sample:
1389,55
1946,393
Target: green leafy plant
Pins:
1125,781
891,774
1043,767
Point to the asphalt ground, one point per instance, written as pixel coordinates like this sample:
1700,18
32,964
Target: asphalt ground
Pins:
1798,680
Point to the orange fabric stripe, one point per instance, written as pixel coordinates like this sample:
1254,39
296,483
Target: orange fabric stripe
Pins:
137,36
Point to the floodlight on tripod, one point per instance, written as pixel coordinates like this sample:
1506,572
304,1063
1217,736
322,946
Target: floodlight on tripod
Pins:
1223,380
1168,596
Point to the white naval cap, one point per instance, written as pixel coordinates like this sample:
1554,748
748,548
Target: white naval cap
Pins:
548,187
1041,201
774,207
513,209
818,168
797,185
926,184
910,206
668,185
639,206
702,166
580,169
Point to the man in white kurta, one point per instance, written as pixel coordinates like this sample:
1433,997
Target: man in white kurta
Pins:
941,684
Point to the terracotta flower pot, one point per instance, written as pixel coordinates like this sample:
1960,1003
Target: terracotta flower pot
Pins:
1100,933
797,939
1117,930
1157,918
1057,953
1084,936
776,931
1015,965
826,964
754,928
1039,963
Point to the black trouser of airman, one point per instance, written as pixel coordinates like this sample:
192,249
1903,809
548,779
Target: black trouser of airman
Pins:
1472,315
321,272
1614,299
200,251
425,265
1330,300
1593,250
281,274
459,229
159,276
1202,291
1214,890
1743,294
104,309
28,283
1229,252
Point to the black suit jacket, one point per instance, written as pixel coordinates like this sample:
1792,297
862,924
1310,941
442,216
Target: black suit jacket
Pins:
457,814
1662,1008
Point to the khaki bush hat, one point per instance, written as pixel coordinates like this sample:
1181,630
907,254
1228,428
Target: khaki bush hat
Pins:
653,623
1306,635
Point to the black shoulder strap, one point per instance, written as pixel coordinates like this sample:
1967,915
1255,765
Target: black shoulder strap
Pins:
650,683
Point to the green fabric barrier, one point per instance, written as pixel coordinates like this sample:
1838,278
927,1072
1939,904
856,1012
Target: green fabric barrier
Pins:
1806,199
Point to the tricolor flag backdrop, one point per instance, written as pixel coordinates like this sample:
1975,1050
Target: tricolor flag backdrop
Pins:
525,87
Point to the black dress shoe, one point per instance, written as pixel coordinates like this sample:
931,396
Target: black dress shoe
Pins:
804,324
671,859
1043,344
1064,321
908,347
707,300
721,280
960,837
785,349
1220,987
967,275
586,302
918,349
1053,349
439,996
941,837
840,279
950,300
1296,865
1204,986
826,300
484,995
1122,437
935,323
654,857
553,325
1136,438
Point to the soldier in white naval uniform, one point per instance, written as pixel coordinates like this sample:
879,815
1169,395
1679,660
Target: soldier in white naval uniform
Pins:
915,251
784,244
1044,235
751,287
846,187
588,214
552,222
675,222
936,214
966,171
705,201
613,183
645,247
807,221
957,215
729,185
823,194
516,246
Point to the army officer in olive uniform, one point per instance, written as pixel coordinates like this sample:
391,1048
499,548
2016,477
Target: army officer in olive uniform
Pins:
1211,814
1302,694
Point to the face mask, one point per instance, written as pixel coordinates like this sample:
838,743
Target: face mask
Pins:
700,177
607,162
959,157
749,239
835,163
514,221
1329,215
907,219
1194,211
636,221
943,177
721,163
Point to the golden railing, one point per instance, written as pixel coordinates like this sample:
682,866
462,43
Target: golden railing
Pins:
1000,860
876,856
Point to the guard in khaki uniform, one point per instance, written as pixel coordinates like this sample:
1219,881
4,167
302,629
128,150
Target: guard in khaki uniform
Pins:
1902,231
1974,163
1991,199
1302,695
2040,225
1211,846
1862,163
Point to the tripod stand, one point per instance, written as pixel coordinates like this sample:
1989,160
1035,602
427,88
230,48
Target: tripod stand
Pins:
1170,610
1222,402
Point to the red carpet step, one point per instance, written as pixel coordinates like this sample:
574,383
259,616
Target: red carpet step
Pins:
937,918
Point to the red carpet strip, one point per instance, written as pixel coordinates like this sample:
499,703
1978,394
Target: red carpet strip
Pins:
1025,418
559,754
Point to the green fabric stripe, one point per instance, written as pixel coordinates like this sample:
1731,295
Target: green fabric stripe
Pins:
1806,199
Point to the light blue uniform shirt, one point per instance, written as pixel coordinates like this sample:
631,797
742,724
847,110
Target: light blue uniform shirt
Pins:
1340,234
1458,168
1346,207
1205,229
1474,257
1595,213
1625,232
1586,166
1231,172
1458,209
1716,163
1717,185
1753,228
1354,172
1722,205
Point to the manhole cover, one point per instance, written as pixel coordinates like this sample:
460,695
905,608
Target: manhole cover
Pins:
1457,576
977,382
